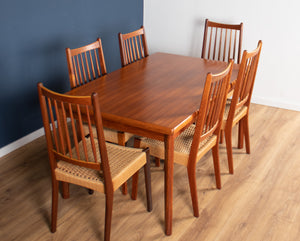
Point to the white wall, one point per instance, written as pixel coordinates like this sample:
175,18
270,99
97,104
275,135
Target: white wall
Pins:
177,27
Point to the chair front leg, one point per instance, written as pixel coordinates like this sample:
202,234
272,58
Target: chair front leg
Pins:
228,139
193,188
55,185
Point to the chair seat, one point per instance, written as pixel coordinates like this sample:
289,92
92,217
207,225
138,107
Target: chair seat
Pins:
123,161
110,135
239,113
182,146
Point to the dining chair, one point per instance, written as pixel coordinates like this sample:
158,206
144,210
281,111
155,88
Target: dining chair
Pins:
237,108
195,141
89,162
133,46
222,41
86,64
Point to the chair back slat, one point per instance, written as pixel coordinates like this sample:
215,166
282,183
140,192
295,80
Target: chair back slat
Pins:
229,46
133,49
85,63
215,43
129,52
60,129
77,71
211,108
209,45
234,43
245,81
138,47
52,123
76,141
141,44
222,41
65,127
82,135
82,63
225,44
92,65
133,46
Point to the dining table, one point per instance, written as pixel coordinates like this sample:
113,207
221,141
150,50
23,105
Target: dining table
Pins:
156,97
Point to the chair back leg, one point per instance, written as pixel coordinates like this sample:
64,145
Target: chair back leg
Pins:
215,152
148,182
65,190
241,135
246,133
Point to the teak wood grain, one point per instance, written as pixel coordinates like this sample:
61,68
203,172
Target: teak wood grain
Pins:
156,97
157,93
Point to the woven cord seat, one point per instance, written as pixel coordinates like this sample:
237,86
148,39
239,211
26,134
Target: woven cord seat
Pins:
111,135
123,162
182,146
239,113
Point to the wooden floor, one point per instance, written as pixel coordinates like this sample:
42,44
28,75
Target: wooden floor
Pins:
261,201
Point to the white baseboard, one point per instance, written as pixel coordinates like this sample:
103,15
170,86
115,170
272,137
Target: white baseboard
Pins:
276,103
21,142
36,134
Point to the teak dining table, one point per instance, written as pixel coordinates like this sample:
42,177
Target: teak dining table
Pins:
156,97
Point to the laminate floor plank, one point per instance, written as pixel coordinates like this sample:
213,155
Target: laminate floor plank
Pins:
261,201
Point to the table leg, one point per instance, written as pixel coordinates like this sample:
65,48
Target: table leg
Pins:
169,166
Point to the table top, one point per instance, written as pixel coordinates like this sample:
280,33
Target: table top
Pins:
158,93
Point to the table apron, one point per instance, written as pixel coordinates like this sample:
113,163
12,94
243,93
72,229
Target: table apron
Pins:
135,130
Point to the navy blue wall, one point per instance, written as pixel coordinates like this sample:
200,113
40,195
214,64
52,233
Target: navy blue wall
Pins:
33,38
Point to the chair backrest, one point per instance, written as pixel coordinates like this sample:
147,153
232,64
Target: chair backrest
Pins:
212,106
63,118
222,41
85,63
133,46
245,80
